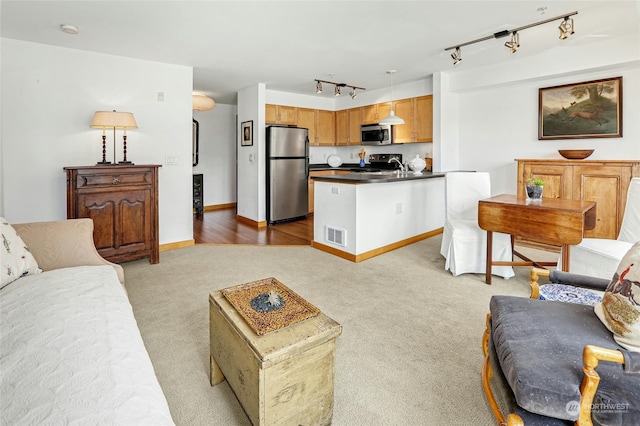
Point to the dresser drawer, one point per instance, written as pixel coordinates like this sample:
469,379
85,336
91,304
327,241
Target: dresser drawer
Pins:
112,179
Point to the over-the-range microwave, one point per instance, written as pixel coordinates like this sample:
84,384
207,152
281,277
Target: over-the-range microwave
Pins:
376,134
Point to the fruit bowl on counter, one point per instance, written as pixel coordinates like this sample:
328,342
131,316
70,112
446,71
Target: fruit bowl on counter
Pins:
575,154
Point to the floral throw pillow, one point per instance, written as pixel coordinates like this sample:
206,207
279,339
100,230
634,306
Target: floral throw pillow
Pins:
619,310
17,261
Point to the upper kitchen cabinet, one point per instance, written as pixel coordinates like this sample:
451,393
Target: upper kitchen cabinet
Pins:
418,120
348,122
321,125
280,114
325,127
372,114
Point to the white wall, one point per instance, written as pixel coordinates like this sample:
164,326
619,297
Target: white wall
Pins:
495,109
217,161
49,95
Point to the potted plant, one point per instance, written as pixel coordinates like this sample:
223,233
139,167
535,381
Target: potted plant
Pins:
534,188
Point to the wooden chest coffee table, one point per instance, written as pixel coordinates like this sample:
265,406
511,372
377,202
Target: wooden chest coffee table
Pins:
284,377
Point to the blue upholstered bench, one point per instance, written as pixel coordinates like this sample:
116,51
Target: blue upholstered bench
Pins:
535,352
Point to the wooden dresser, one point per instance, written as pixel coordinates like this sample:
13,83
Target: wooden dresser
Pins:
603,181
123,203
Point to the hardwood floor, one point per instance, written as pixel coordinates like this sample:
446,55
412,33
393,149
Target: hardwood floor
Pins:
221,227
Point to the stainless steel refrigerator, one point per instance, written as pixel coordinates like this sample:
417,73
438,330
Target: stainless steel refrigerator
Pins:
287,173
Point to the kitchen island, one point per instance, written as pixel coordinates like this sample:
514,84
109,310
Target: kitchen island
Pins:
361,215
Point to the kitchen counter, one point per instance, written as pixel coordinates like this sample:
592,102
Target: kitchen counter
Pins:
377,177
361,215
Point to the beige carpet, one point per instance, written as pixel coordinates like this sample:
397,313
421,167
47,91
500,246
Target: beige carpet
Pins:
410,352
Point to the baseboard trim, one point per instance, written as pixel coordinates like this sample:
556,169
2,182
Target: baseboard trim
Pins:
262,224
219,206
376,252
177,245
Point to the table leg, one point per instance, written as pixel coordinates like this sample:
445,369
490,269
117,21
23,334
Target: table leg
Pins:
489,261
565,257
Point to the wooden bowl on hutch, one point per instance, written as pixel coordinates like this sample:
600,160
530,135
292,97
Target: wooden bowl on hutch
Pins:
575,154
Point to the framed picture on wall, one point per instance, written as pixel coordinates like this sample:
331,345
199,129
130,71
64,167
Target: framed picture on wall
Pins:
247,133
591,109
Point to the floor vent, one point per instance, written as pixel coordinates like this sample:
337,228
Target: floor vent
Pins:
336,235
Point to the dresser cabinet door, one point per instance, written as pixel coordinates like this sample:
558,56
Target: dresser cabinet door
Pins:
123,204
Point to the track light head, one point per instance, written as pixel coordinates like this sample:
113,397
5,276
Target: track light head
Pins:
514,43
336,92
566,28
353,93
456,56
318,86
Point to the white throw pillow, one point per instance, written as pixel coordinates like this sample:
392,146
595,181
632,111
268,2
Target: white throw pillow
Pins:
619,310
17,261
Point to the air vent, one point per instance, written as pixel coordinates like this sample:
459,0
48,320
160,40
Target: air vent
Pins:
335,235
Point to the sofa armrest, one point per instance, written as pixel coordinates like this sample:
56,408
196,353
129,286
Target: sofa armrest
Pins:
63,244
560,277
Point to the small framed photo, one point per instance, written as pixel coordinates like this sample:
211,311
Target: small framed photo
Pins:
247,133
590,109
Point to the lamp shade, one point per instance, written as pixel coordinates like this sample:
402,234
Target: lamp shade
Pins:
202,102
120,120
392,119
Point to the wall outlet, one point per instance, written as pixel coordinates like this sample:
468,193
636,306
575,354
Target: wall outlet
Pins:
160,96
171,159
398,208
335,190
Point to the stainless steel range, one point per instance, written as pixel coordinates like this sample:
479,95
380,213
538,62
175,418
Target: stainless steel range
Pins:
379,162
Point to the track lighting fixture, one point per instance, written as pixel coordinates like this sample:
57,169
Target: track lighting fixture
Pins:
514,43
456,56
338,88
566,29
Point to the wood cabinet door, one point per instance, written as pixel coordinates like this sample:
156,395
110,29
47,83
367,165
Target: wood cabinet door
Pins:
557,180
370,114
307,120
607,186
122,220
287,115
355,121
342,127
326,127
424,118
271,114
384,109
404,133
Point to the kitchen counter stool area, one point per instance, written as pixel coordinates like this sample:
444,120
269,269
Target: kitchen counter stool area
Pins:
359,220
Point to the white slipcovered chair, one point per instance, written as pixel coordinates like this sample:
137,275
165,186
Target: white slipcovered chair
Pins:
464,244
599,257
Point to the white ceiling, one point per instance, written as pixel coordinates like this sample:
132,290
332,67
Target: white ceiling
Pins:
232,45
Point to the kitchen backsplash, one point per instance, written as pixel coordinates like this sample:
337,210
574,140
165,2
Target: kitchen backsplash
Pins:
349,154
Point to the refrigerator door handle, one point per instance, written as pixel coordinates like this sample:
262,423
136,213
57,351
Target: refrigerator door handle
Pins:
307,166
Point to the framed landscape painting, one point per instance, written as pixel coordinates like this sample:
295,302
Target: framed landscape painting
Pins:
592,109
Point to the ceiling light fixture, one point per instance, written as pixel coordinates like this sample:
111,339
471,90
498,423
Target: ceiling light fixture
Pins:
566,29
69,29
337,91
391,118
200,102
456,56
514,43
